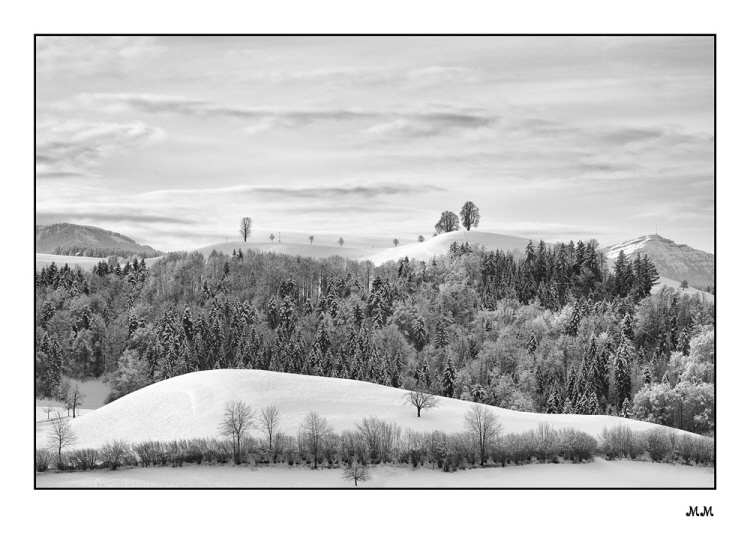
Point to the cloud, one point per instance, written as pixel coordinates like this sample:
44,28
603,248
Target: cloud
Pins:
108,56
73,148
323,192
260,119
110,217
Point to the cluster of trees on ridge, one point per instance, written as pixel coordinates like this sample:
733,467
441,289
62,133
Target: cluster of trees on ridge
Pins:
547,330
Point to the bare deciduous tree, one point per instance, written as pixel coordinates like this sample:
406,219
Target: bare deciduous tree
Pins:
269,424
314,429
356,472
272,237
64,394
483,426
341,241
469,215
395,242
76,398
421,400
61,435
238,418
246,225
48,409
311,238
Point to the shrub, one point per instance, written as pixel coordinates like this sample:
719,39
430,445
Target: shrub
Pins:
545,442
41,460
621,441
114,454
84,459
577,445
704,452
659,444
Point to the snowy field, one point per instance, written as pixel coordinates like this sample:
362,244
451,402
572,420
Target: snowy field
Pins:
597,474
421,251
191,406
86,263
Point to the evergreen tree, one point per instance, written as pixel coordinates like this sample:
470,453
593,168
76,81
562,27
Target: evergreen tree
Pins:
646,376
625,410
622,372
449,378
627,327
419,333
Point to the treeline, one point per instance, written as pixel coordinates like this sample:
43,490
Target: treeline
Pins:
549,330
375,441
99,251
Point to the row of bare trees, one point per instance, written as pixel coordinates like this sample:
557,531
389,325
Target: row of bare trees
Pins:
378,437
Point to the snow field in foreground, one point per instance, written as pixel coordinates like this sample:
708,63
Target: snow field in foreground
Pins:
596,474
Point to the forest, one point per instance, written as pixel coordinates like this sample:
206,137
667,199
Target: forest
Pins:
550,329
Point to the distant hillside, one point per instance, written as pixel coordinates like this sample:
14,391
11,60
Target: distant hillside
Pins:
89,241
673,261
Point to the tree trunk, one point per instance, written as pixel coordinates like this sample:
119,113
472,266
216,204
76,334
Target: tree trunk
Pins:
419,411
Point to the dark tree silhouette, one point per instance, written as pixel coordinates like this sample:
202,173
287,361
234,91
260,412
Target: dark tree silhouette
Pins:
420,238
448,222
469,215
421,401
341,241
311,239
245,227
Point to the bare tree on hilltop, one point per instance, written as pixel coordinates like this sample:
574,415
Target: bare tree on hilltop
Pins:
311,238
245,227
421,400
469,215
420,238
395,242
448,222
341,241
272,237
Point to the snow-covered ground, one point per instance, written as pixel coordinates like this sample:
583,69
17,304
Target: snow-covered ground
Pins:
597,474
421,251
86,263
666,282
191,406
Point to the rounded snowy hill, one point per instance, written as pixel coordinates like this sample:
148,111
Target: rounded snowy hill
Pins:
420,251
192,405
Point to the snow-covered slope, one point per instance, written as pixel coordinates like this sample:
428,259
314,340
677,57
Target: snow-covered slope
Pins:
666,282
86,263
421,251
673,261
192,405
439,245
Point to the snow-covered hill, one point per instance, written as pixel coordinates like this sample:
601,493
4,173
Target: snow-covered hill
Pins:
673,261
421,251
192,405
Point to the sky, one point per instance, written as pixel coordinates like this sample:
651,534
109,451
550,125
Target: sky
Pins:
172,140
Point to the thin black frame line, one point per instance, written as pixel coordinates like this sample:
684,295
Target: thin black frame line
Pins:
402,35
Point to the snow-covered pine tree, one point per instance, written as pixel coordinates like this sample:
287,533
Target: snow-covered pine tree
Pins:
622,372
646,375
625,410
449,378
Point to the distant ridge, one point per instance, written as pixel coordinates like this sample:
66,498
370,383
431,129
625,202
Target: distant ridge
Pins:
89,241
673,261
